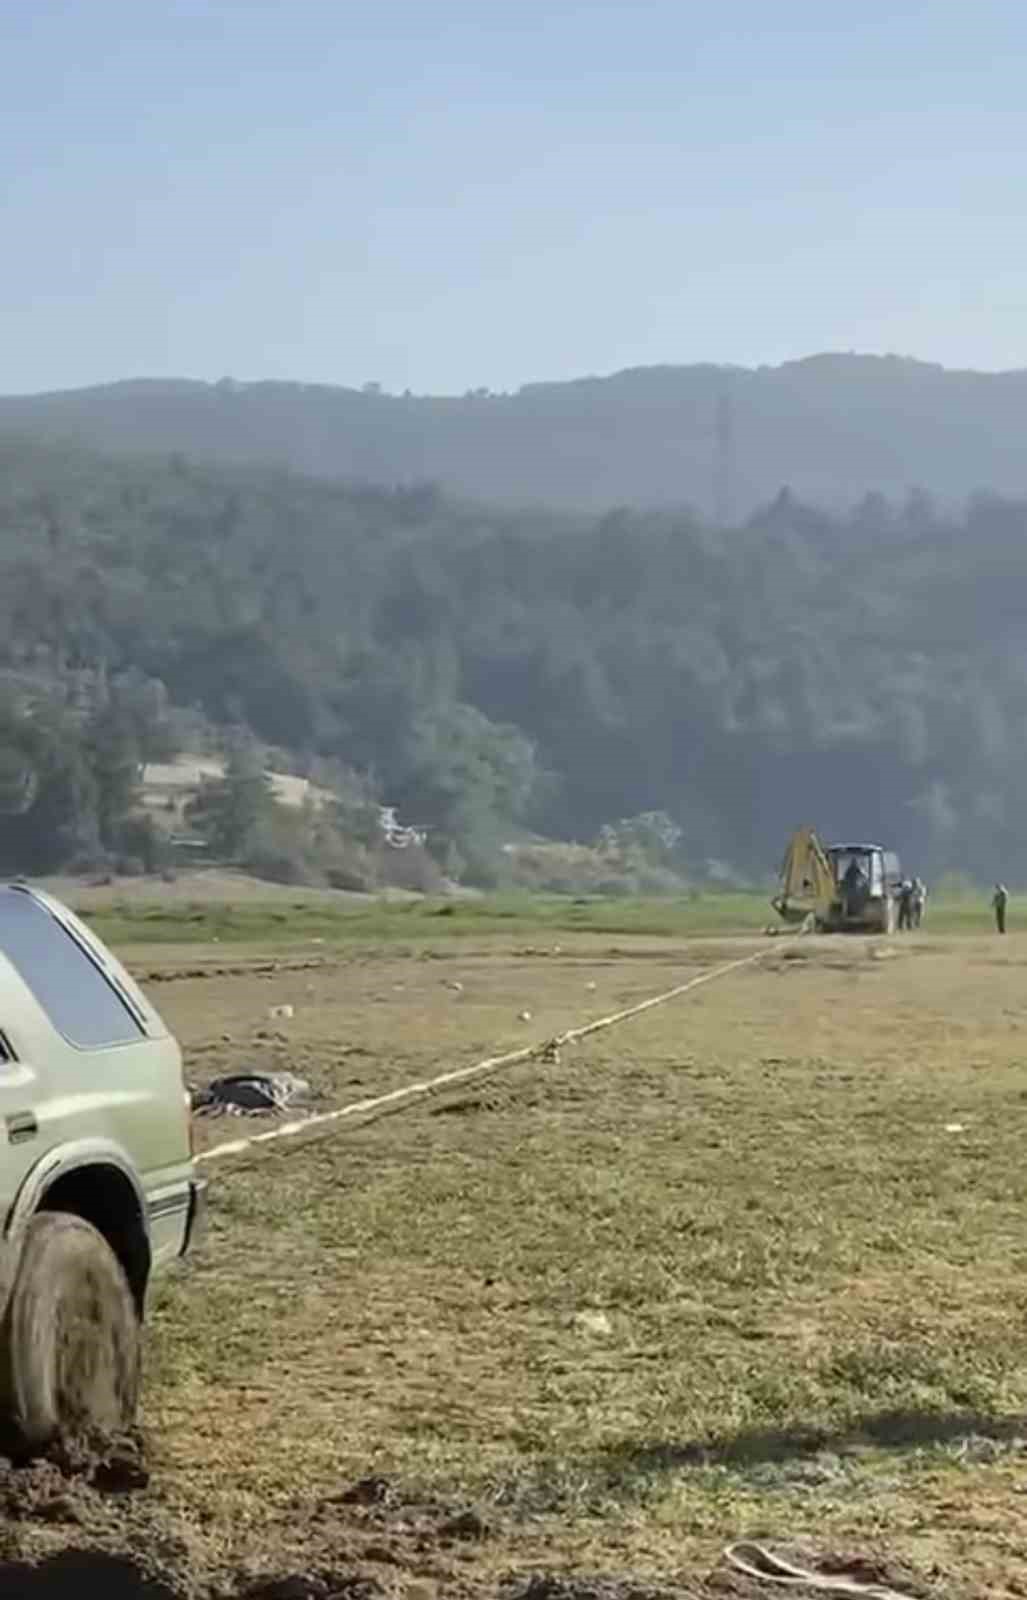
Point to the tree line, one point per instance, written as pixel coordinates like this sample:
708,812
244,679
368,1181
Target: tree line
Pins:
496,674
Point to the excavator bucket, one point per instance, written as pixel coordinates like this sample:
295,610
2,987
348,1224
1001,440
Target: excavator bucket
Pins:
807,879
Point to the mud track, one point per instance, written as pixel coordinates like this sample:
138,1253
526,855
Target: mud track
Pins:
239,969
89,1520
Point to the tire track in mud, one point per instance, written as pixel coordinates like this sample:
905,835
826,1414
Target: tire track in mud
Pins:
242,969
262,967
88,1520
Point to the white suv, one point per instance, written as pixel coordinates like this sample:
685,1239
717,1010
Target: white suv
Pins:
97,1184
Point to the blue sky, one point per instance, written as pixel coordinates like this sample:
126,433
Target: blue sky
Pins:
486,192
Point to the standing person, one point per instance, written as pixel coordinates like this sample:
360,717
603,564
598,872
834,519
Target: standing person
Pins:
905,905
854,889
999,901
919,901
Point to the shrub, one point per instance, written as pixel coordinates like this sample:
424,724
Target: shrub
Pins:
277,862
412,868
351,867
139,838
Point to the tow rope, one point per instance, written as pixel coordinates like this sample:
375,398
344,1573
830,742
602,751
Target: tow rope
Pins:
546,1049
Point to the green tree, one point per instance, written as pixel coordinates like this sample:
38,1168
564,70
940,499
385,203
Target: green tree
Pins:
468,776
651,839
51,793
111,747
232,809
19,781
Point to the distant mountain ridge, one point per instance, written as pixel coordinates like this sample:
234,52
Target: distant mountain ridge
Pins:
723,439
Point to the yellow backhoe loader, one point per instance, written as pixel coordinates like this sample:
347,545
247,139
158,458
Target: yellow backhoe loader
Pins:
846,887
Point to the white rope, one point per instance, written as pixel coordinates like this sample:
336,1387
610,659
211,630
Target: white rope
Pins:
415,1091
756,1561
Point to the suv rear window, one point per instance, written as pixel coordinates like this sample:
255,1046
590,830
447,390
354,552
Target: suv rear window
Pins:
80,1001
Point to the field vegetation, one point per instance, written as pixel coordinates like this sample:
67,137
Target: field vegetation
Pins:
139,915
750,1264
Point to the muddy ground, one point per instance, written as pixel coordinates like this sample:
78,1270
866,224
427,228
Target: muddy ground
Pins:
361,1543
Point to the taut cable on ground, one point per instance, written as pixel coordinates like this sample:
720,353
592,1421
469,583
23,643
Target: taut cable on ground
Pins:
411,1092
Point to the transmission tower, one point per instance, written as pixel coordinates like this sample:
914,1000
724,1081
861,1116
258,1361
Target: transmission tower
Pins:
724,463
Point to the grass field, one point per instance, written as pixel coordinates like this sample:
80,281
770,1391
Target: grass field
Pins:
751,1264
294,916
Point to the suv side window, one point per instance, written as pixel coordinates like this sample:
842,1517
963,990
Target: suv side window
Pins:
71,988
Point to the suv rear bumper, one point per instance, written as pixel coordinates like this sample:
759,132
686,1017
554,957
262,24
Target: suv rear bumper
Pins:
196,1221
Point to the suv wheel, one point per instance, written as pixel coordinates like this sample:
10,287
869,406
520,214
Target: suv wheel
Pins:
69,1341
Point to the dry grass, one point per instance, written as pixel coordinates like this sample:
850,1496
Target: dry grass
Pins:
813,1292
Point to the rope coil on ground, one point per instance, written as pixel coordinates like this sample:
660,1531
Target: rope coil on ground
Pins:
756,1561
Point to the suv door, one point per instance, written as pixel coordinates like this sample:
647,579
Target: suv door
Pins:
20,1094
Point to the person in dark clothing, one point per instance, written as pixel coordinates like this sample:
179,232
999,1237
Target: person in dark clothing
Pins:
854,889
905,905
999,902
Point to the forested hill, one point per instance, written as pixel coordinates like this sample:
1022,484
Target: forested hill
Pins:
867,672
721,439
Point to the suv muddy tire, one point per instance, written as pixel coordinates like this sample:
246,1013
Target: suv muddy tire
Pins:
69,1341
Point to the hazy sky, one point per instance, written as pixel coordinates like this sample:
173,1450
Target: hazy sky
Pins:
441,194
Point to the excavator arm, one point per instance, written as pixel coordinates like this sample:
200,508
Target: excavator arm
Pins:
807,879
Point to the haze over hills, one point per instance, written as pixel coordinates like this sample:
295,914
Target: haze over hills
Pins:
489,670
723,439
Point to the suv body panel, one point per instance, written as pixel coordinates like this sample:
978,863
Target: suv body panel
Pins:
67,1107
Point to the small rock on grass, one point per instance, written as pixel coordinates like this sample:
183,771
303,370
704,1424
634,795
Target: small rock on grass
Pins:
595,1322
